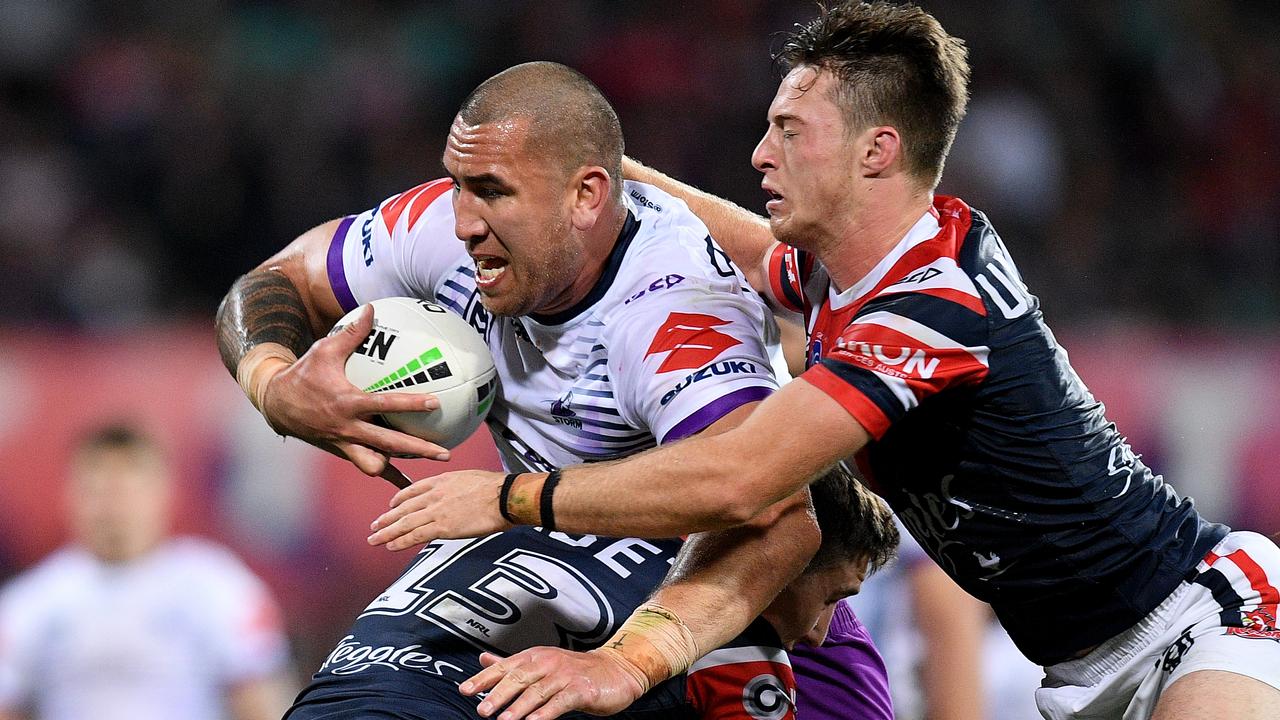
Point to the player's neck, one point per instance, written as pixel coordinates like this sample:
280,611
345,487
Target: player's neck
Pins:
598,246
870,232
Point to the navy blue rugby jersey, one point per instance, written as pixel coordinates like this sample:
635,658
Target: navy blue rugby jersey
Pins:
417,641
985,441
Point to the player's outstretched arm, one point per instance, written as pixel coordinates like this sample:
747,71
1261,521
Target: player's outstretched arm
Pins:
267,325
700,483
742,233
720,582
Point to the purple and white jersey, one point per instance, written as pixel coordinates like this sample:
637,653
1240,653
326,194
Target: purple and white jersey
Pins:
620,371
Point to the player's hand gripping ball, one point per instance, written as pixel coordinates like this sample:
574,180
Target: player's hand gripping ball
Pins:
419,347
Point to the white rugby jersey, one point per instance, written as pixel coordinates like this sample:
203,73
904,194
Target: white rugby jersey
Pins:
163,636
670,339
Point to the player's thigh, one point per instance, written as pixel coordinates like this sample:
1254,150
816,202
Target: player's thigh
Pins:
1218,694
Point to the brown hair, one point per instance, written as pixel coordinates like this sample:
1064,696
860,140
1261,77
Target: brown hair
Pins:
894,65
855,522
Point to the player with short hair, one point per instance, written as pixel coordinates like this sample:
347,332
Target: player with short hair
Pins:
930,365
615,322
128,622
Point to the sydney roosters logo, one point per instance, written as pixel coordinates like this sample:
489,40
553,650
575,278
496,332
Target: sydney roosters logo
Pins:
691,339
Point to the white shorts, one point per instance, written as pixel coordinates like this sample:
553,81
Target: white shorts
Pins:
1223,619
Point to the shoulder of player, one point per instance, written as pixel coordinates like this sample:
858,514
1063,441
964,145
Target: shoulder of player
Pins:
424,212
202,561
56,574
758,643
667,259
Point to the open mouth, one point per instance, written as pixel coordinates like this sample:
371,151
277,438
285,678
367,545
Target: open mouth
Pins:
489,270
775,198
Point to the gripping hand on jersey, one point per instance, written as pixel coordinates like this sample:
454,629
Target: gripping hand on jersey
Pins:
461,504
545,682
312,400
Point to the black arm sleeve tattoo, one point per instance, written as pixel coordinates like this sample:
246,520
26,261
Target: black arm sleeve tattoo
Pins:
262,306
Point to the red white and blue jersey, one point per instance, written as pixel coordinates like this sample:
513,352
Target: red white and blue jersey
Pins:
985,441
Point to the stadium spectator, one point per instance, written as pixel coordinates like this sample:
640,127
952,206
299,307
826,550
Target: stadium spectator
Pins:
129,622
932,365
597,301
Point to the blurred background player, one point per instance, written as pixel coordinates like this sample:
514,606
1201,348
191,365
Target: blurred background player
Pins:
129,622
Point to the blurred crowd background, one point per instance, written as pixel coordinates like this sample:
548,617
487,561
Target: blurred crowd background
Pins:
1128,152
150,151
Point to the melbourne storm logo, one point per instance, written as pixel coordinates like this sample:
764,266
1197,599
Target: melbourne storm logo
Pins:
562,411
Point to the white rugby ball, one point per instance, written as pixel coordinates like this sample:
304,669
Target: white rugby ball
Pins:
420,347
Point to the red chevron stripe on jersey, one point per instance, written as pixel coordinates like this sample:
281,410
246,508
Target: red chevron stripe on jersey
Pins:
926,267
1269,597
416,200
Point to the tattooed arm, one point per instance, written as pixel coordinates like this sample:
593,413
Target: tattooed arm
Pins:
267,329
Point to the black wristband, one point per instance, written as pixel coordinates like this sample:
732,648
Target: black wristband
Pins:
504,496
548,519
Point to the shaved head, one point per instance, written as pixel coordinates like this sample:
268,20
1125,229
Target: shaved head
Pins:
569,120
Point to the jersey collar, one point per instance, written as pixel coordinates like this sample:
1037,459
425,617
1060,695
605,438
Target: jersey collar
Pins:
926,228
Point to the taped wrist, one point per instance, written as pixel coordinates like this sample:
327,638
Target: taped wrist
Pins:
653,644
522,504
258,366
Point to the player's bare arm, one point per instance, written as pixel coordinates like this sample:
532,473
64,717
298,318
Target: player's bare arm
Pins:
701,483
267,325
719,583
742,233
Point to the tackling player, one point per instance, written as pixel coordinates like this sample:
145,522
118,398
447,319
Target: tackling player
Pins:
614,320
932,366
411,648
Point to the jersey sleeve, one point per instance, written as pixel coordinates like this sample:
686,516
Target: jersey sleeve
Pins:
786,268
398,249
748,678
898,351
684,357
246,637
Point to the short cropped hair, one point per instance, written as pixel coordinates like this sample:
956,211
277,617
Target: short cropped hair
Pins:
855,522
894,65
571,122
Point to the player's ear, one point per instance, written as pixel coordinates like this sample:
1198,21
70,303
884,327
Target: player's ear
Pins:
879,147
591,187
